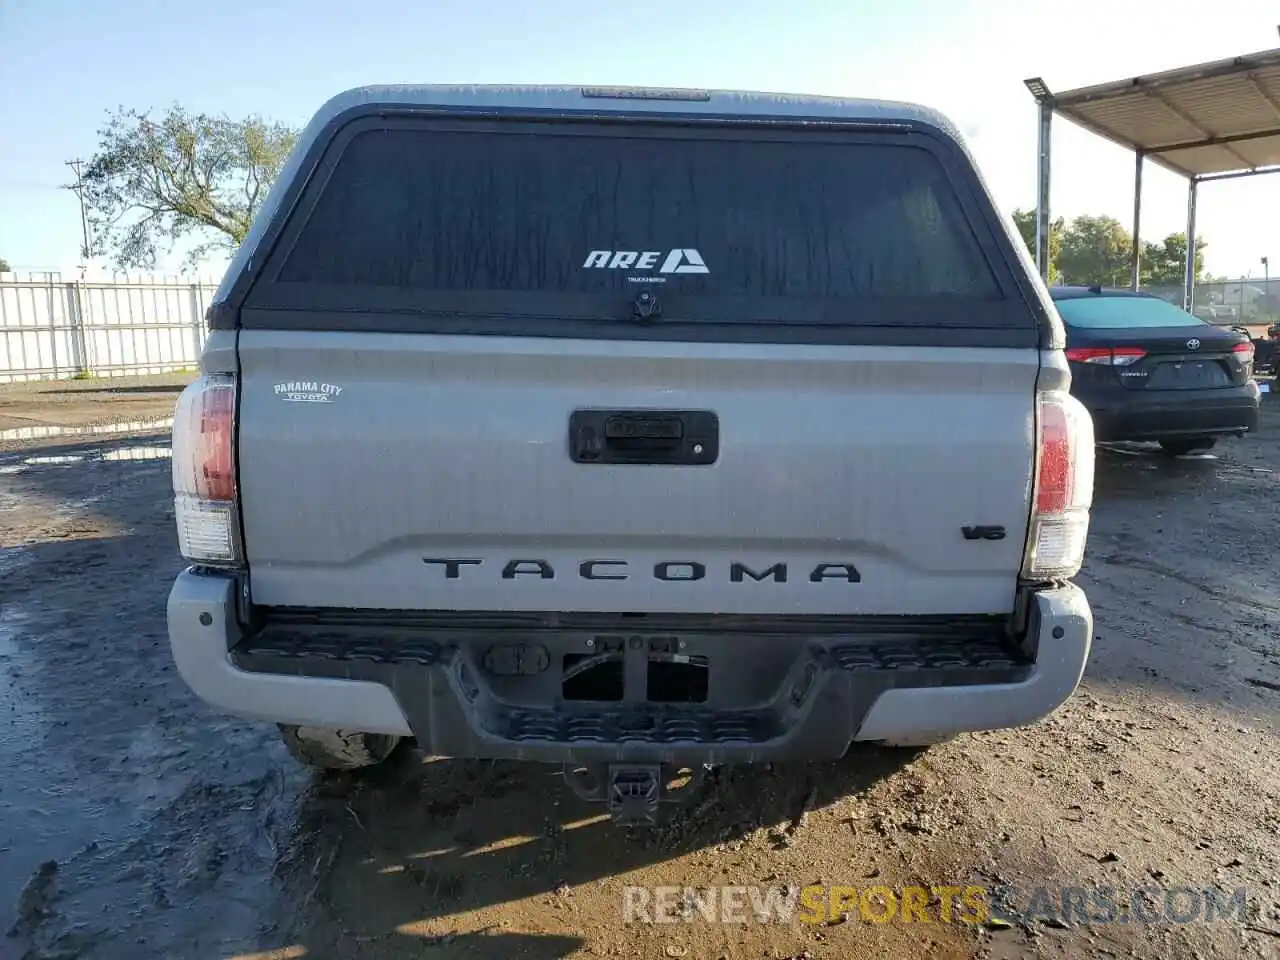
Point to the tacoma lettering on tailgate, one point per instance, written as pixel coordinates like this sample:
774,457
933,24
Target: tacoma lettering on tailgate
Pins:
672,571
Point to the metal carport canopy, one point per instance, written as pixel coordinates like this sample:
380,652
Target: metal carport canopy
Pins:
1212,121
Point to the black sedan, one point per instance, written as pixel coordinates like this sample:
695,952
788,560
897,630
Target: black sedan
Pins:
1147,370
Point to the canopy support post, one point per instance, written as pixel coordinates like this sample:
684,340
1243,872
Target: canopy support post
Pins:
1042,192
1189,292
1136,257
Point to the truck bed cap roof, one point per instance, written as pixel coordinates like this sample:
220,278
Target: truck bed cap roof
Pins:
608,99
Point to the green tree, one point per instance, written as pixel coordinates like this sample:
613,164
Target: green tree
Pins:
1165,263
1025,221
4,266
1096,250
153,182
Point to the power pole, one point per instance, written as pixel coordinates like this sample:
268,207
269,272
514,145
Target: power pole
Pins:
78,190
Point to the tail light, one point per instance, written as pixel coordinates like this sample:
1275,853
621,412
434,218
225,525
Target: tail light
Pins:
1244,353
204,473
1063,488
1109,356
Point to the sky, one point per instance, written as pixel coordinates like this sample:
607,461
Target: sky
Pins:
65,63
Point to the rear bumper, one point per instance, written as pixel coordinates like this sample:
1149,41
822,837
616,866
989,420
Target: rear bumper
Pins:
833,693
1139,415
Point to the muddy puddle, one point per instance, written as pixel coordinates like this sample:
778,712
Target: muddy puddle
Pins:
51,431
20,713
16,465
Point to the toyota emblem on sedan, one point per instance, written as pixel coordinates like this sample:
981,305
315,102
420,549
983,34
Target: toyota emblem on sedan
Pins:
1193,344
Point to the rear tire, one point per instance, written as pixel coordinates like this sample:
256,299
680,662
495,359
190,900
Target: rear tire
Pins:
337,749
1176,448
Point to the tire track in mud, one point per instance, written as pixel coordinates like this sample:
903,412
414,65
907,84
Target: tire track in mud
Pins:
159,824
1215,592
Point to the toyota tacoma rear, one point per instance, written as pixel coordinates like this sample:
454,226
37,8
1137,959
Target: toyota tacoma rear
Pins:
629,430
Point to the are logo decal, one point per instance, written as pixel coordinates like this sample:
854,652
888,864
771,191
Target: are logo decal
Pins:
677,261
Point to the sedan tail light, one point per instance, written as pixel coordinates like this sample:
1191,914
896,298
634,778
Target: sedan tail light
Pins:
1109,356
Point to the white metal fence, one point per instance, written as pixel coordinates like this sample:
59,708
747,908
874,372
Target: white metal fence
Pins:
53,328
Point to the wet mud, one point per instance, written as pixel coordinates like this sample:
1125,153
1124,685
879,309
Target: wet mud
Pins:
135,822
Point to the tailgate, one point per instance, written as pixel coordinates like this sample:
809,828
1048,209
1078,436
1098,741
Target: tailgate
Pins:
434,472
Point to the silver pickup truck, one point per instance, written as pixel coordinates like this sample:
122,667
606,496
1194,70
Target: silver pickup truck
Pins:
630,430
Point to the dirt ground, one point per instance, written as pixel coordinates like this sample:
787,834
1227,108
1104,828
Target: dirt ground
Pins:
41,412
136,822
